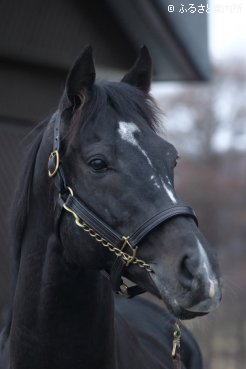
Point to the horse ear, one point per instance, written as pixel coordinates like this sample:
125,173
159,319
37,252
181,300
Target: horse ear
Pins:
140,74
81,77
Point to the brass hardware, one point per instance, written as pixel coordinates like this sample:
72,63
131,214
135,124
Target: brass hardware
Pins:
54,154
176,338
69,190
133,250
124,290
118,252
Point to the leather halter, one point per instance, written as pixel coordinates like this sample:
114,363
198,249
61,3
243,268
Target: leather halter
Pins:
119,244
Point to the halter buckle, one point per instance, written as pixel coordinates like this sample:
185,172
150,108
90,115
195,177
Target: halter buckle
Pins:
67,190
133,250
123,290
53,163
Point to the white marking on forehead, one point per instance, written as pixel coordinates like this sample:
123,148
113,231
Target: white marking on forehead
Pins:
169,192
126,131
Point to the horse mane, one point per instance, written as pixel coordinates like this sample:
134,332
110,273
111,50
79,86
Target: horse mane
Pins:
20,205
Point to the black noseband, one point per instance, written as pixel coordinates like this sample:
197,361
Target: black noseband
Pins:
124,247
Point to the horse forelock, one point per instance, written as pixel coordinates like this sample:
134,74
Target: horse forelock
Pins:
127,101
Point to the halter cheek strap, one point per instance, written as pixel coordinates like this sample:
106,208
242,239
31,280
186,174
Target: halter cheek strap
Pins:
124,247
54,158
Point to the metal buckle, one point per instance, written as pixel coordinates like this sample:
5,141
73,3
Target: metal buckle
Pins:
67,189
133,250
54,155
123,290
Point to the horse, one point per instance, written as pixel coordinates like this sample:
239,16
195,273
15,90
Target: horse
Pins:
96,204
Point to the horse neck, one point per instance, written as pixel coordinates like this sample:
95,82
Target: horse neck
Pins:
64,314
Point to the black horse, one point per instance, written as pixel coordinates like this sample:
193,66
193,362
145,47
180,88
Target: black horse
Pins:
105,208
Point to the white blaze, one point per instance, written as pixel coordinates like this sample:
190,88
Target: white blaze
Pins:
169,192
168,181
126,131
207,268
156,184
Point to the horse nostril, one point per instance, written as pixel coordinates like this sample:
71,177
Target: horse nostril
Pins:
186,271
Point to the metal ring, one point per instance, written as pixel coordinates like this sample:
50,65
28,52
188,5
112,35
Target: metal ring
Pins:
66,189
54,154
70,190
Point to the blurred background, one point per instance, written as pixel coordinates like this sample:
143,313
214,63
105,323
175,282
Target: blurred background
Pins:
207,123
199,58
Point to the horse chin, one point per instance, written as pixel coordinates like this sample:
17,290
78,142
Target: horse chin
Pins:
184,314
181,310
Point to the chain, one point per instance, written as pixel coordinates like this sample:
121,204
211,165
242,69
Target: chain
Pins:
115,250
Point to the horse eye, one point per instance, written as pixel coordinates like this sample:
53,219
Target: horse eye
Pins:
98,164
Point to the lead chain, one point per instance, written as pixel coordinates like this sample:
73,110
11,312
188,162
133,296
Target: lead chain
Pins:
127,258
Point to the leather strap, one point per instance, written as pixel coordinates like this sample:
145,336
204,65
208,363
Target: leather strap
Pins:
93,221
118,266
123,289
159,218
54,159
56,137
114,237
177,361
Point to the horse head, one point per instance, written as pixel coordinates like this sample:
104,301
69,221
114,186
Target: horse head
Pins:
119,168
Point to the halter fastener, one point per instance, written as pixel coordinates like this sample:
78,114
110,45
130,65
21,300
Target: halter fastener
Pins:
53,163
125,244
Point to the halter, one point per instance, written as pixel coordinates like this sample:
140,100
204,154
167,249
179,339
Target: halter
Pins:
124,247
